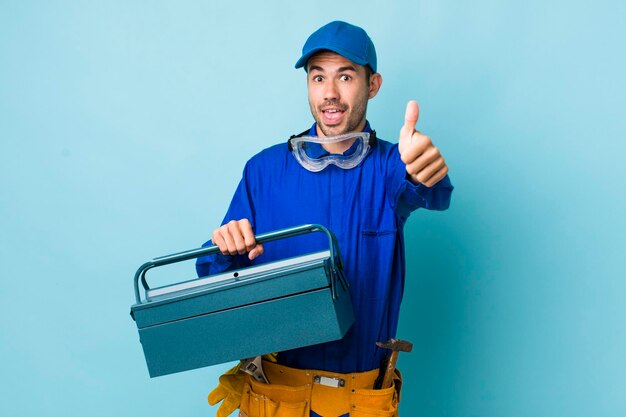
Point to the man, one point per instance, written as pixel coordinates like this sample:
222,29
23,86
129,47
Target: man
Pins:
360,187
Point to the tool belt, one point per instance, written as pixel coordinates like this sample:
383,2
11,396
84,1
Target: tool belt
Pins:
295,392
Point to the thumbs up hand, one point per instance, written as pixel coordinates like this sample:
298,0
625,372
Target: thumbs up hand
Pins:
423,161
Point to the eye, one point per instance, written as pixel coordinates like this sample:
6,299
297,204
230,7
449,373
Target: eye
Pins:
317,78
345,77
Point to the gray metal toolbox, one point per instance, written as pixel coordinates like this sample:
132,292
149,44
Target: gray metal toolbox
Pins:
281,305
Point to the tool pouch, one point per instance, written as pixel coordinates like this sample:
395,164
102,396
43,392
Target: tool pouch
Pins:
377,402
272,400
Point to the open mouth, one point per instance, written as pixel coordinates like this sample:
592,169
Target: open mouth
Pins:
332,116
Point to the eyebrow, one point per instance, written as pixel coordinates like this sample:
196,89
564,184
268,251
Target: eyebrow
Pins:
347,68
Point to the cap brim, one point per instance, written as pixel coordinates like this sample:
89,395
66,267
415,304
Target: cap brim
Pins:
305,58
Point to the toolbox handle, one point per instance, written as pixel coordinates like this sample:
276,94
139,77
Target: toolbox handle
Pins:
335,257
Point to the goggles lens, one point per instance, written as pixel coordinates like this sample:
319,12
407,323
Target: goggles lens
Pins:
313,156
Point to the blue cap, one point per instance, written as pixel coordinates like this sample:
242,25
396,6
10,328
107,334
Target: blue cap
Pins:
347,40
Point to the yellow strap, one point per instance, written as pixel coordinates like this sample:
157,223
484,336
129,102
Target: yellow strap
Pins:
284,375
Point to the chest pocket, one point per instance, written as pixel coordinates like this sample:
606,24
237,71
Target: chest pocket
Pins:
378,222
375,232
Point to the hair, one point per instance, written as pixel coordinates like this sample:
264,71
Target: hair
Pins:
368,73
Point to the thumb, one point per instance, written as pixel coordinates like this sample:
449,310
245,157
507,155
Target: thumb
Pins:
217,395
256,251
410,119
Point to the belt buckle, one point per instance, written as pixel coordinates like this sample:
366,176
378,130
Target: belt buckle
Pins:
329,382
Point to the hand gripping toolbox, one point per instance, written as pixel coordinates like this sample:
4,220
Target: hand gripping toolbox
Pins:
242,313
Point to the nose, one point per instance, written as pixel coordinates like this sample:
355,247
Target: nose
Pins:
330,91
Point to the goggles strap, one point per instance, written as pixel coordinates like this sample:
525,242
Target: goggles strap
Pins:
299,135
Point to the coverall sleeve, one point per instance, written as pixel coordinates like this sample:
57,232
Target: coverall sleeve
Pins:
407,197
241,207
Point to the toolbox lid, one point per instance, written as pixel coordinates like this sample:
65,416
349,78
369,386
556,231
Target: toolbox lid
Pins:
233,289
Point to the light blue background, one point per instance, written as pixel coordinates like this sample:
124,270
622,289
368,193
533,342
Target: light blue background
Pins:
124,128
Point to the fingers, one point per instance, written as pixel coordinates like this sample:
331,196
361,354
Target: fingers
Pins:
432,173
438,176
422,160
247,234
419,143
236,237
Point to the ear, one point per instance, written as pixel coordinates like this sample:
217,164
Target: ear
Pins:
376,80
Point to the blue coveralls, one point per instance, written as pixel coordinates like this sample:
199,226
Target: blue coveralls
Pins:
366,208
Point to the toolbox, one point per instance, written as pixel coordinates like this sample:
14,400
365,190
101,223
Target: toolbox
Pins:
271,307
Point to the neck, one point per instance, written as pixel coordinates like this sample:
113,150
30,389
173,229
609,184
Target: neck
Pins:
338,147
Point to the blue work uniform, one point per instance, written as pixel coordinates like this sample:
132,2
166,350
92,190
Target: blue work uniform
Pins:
366,208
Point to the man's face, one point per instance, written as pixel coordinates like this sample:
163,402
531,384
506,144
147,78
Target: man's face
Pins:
338,93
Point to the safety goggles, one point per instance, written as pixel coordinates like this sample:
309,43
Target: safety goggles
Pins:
309,151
